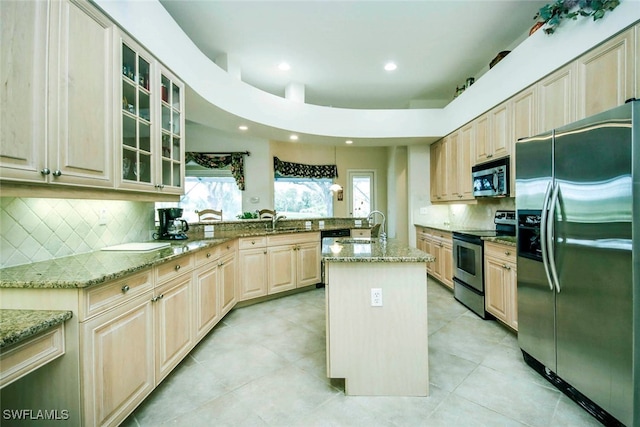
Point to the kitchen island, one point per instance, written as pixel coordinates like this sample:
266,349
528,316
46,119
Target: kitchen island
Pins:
376,304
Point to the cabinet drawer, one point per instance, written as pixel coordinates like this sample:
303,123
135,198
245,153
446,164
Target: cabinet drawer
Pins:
252,242
206,255
360,232
291,239
96,300
173,268
503,252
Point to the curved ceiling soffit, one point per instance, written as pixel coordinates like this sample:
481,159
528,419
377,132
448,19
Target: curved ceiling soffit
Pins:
240,99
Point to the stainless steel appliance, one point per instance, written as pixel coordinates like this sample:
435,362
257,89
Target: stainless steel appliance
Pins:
491,179
172,227
468,262
577,195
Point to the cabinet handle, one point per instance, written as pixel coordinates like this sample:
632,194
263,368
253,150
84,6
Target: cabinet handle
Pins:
505,266
154,299
45,171
489,156
57,172
177,267
125,289
208,255
161,296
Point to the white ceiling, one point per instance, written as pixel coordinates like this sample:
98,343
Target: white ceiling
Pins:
337,49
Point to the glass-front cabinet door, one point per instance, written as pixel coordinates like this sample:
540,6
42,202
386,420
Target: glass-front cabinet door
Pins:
151,123
137,117
172,157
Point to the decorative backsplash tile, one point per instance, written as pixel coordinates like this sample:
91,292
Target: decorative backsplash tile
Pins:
471,216
41,229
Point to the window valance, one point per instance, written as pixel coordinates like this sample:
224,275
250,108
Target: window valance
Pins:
233,161
300,170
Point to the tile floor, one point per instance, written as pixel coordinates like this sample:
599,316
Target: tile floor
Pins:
264,365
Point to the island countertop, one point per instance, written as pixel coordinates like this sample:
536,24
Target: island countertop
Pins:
371,250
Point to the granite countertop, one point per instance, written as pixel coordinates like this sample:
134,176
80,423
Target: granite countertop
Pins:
371,250
84,270
17,325
505,240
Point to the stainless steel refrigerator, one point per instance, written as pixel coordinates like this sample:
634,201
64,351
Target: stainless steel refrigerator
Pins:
578,212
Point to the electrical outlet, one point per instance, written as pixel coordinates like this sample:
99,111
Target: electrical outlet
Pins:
102,220
376,297
321,225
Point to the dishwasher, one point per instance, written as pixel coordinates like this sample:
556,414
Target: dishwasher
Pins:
338,232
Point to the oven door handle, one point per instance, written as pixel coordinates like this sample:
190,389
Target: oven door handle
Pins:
543,234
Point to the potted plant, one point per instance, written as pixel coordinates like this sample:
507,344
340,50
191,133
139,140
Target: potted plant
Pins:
553,13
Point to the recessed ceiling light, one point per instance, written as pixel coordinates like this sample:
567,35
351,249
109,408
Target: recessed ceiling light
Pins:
348,141
293,137
390,66
243,127
284,66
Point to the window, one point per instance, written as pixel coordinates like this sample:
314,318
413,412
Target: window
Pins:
303,197
214,189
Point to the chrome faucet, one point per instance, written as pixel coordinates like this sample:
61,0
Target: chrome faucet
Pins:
382,235
275,219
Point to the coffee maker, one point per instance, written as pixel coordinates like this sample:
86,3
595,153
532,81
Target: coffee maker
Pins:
172,227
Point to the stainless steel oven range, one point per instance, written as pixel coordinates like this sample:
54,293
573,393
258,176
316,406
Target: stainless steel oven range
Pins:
468,261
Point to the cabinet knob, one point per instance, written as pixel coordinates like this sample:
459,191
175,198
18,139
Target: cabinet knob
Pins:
125,289
228,247
253,242
265,252
161,296
57,172
220,264
45,171
208,255
507,253
177,267
489,156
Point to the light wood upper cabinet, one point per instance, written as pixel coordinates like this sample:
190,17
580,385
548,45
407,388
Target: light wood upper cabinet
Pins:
556,101
466,152
493,138
482,147
605,76
23,80
451,167
524,114
76,146
437,170
500,136
150,124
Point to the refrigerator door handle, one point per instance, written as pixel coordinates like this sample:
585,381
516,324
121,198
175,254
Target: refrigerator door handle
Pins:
543,231
550,236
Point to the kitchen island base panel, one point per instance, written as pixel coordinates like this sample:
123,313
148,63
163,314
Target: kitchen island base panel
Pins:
379,351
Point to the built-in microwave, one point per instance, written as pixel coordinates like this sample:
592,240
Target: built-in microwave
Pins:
491,179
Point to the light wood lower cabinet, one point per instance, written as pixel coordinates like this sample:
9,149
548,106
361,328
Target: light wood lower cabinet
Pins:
118,361
501,283
278,263
206,306
439,244
252,267
227,274
174,333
